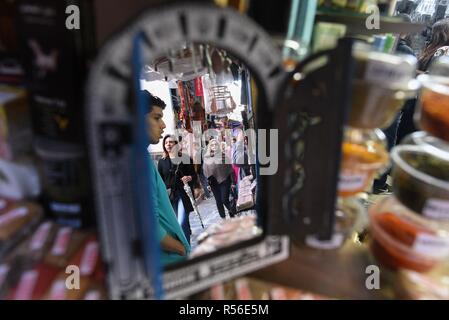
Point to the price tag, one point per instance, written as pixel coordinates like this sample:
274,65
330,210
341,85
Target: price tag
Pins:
436,209
352,182
432,246
378,71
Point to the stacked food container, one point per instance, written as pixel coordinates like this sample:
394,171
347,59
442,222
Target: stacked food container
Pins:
410,229
382,83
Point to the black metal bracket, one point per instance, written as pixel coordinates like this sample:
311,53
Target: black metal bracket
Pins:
310,119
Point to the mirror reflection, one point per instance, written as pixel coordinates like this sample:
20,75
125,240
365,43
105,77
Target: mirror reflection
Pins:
201,128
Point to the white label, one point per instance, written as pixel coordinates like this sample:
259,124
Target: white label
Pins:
66,208
432,246
4,269
58,290
26,285
436,209
89,259
92,295
351,182
61,242
39,237
12,215
378,71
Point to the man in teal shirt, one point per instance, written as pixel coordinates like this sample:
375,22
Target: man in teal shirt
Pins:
174,245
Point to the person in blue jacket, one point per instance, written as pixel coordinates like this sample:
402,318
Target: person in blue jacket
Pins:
174,245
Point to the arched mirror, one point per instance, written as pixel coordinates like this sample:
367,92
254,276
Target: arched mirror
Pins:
179,109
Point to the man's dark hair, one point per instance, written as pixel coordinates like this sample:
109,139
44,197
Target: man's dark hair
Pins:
153,101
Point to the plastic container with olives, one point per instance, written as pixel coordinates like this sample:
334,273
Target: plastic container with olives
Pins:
421,180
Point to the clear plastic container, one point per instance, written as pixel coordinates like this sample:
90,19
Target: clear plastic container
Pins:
364,155
404,239
432,115
421,180
381,85
425,139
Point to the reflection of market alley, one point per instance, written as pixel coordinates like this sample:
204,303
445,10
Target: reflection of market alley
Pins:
209,214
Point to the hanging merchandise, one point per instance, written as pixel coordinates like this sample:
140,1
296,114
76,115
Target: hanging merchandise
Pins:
198,87
183,65
221,101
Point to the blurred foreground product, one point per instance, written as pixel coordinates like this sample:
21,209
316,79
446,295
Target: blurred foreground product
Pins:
326,35
64,172
34,283
18,181
11,70
15,124
364,155
88,259
412,285
16,223
404,239
55,61
253,289
67,242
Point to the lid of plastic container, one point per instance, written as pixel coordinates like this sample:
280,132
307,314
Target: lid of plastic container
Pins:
398,160
440,67
394,70
432,144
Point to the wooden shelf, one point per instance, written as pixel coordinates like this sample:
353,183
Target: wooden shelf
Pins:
336,273
355,23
